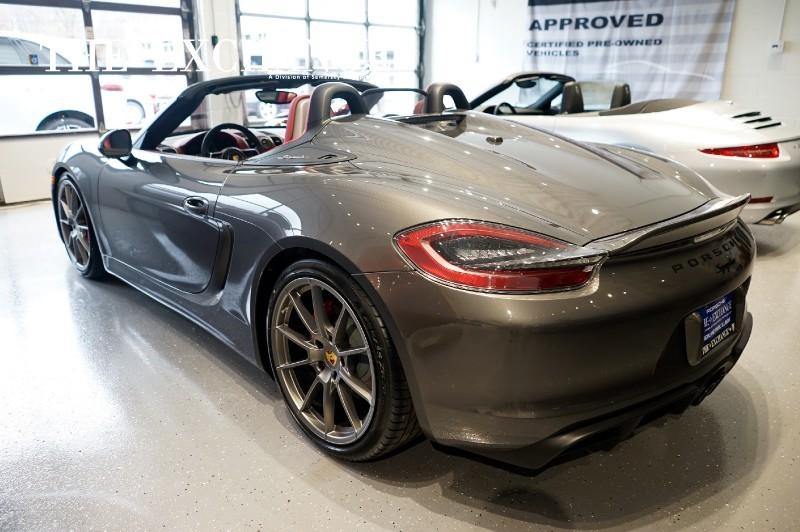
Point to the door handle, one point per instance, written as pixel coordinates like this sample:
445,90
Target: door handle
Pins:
196,206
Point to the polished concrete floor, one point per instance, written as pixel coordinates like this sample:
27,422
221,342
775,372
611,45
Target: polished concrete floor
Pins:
116,413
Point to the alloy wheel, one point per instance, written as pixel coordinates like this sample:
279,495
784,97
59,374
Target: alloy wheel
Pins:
323,360
74,225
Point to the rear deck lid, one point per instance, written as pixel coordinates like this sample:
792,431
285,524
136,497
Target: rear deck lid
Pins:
590,192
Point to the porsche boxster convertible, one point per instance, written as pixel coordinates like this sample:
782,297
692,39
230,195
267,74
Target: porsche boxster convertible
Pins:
492,287
738,149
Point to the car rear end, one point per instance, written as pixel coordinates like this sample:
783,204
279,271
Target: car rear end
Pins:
741,150
769,171
524,376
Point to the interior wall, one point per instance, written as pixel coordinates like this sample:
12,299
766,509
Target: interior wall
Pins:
26,164
476,43
218,18
754,76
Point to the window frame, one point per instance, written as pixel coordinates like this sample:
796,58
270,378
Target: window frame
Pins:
184,11
419,28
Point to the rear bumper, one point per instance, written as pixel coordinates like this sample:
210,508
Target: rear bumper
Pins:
771,213
617,425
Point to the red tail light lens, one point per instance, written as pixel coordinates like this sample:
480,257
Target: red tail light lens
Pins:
491,257
765,199
758,151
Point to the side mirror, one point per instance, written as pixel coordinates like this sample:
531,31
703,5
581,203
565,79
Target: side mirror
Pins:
116,144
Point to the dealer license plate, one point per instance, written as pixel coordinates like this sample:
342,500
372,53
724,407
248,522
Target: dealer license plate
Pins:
718,322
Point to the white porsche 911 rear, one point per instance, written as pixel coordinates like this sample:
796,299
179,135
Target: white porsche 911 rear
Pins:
737,149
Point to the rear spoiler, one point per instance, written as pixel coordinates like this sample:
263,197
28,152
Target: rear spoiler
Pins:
718,214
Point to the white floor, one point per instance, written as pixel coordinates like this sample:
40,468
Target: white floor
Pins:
116,413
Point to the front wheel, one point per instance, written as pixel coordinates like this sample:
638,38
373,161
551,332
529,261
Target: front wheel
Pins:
75,228
335,364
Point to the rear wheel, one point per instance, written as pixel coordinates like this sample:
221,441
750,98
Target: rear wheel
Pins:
335,364
76,230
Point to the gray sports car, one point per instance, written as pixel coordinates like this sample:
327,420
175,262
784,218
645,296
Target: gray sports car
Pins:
496,288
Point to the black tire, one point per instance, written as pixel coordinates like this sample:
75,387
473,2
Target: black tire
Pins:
352,361
76,229
64,122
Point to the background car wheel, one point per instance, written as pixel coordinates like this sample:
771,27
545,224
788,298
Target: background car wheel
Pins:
134,113
76,230
335,364
64,122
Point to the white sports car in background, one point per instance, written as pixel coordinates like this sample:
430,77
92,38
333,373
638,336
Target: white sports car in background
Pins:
737,149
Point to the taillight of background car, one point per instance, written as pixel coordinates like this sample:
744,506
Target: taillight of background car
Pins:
757,151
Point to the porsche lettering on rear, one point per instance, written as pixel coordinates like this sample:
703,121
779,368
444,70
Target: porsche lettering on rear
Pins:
710,258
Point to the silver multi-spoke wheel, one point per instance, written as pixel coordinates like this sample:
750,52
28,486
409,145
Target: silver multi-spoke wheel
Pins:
323,360
336,364
75,229
74,224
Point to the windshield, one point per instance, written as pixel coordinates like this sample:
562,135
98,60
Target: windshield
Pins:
392,102
529,93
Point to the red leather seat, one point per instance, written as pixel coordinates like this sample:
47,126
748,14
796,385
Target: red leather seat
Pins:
298,118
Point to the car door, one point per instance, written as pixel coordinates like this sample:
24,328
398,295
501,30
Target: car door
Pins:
157,215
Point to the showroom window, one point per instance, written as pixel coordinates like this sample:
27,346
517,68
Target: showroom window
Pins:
83,65
374,40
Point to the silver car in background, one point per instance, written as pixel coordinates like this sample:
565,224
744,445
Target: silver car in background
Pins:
738,149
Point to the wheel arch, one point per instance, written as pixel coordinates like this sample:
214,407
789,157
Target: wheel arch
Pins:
66,114
293,249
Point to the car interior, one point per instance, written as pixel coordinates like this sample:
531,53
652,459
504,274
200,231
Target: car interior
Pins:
220,127
237,134
552,95
246,138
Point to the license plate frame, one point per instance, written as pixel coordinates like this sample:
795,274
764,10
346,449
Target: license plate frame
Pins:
719,322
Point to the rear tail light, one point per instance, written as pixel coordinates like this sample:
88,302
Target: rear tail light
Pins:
758,151
765,199
491,257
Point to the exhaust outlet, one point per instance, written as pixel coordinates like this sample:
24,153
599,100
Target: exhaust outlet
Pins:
710,385
775,218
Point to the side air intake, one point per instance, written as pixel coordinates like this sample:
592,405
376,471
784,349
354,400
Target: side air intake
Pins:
755,120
